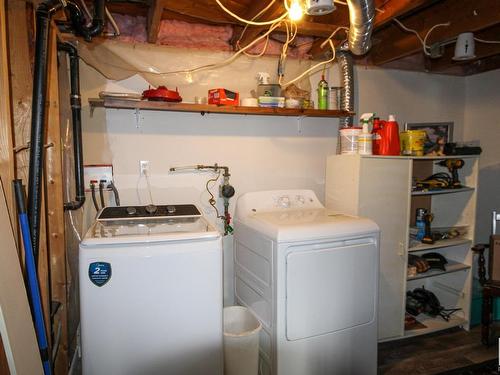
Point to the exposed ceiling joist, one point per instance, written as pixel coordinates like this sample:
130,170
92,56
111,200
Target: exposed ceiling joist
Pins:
154,19
389,10
274,11
470,15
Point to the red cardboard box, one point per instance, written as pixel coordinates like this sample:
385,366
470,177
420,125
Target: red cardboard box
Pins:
223,97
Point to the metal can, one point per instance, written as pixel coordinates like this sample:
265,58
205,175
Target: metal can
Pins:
416,141
334,98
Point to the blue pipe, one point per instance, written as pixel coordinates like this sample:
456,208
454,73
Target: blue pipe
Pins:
32,279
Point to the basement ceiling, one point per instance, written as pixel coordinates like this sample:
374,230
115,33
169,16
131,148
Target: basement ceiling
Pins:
392,46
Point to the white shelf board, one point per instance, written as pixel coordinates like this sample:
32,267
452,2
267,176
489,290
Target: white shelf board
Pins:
442,191
451,266
440,244
435,324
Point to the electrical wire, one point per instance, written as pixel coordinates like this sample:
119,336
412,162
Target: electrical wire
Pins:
146,174
253,19
487,41
423,41
314,67
250,22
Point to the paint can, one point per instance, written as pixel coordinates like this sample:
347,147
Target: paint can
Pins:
349,140
412,142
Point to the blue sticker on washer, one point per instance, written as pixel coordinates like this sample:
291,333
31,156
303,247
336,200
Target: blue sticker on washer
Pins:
99,273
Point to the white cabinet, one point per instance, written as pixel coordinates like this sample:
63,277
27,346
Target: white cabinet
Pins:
380,188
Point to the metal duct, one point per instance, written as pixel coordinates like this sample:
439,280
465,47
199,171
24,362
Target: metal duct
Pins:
344,59
361,16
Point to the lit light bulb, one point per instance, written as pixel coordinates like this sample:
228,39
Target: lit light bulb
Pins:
296,11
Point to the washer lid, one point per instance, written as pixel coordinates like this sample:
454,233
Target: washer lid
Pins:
297,225
149,230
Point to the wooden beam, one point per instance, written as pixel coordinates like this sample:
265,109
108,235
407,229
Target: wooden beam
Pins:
21,80
252,32
7,158
470,15
55,208
397,8
484,65
154,19
206,9
483,51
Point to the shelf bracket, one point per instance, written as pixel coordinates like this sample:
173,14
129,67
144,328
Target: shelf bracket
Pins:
137,118
92,109
299,123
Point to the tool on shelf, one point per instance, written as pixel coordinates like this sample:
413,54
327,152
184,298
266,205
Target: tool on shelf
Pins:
226,190
428,238
453,166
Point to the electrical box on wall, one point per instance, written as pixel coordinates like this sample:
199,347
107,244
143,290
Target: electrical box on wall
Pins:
97,173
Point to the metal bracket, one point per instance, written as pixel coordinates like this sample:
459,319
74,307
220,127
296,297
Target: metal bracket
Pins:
299,123
137,118
92,108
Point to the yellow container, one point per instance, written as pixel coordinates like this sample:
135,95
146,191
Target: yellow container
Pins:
416,140
412,142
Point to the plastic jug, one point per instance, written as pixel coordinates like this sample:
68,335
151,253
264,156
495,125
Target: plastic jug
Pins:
389,137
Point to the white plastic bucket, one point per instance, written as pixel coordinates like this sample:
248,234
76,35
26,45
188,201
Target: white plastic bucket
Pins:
241,341
349,140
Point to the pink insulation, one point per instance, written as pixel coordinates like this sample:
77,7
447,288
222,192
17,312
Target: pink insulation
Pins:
196,35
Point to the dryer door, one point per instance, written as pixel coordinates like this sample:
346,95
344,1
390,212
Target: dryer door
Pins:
331,287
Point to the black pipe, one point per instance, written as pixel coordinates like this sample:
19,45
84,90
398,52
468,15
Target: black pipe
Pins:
43,14
78,20
76,117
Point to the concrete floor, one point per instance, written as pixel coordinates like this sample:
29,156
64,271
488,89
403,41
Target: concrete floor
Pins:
435,353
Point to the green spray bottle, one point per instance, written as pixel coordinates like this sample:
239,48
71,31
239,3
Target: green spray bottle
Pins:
323,93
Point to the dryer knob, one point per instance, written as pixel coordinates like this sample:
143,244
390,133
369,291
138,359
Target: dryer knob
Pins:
151,209
131,210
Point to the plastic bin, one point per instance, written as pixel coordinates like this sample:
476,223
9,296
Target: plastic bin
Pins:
241,341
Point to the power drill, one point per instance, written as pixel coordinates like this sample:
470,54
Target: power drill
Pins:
453,166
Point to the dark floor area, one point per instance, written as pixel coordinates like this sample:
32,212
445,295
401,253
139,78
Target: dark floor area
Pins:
437,353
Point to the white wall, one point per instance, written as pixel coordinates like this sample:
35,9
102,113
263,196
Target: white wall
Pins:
262,152
482,122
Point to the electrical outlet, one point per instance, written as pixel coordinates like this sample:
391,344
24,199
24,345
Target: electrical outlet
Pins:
144,167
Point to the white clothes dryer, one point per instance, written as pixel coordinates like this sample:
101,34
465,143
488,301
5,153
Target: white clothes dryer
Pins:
310,275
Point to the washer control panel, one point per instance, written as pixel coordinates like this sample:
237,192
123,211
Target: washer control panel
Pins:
149,211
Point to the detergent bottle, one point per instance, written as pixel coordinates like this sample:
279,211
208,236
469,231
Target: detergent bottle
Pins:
389,142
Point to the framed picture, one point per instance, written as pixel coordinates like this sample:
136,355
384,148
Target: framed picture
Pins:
438,134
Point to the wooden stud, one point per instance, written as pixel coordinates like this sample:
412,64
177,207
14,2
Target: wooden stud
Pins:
21,80
7,159
55,208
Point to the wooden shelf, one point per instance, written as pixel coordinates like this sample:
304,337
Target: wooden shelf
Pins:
451,266
440,244
435,324
441,191
209,108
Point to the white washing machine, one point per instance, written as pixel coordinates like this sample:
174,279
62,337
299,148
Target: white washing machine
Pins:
151,293
311,277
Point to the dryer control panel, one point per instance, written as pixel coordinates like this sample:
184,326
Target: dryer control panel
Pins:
276,200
